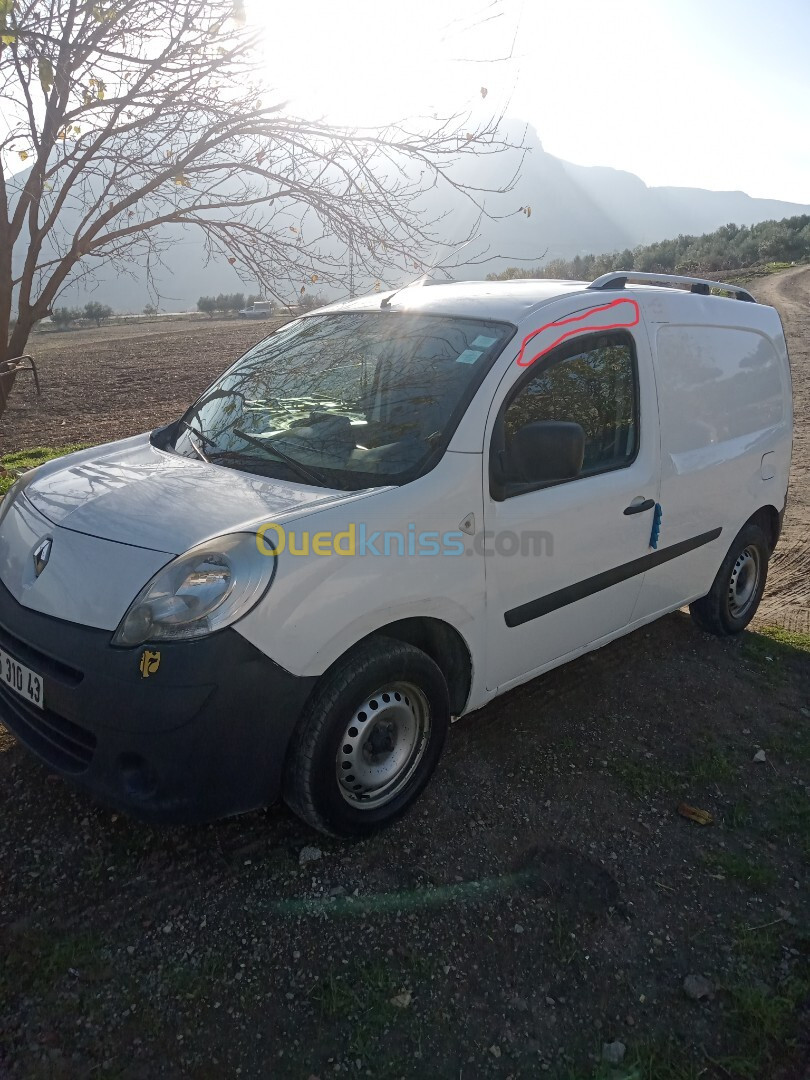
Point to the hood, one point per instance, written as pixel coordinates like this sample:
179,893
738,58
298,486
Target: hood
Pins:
133,493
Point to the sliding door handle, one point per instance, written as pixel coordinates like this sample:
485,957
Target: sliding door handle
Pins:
639,507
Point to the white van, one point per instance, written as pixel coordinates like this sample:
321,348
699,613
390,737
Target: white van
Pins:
385,515
259,309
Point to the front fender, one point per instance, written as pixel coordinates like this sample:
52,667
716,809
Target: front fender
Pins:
319,606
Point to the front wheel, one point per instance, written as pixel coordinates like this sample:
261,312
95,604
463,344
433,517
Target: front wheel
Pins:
734,597
368,740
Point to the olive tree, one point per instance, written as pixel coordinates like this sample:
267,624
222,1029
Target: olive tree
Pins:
127,116
96,312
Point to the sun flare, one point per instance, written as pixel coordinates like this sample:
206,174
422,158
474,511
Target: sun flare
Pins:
377,64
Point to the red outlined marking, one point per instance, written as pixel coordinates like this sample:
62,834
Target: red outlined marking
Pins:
593,319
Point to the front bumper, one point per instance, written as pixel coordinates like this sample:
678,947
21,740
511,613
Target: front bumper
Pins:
201,737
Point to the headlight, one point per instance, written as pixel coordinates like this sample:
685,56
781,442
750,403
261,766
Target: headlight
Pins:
12,493
208,588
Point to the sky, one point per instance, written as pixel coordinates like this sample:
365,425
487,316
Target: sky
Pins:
696,93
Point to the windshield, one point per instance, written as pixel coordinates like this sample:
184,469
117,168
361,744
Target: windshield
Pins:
347,400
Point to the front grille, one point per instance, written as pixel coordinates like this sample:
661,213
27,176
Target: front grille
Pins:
41,662
60,742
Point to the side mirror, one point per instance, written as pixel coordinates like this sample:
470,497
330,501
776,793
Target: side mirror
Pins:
547,450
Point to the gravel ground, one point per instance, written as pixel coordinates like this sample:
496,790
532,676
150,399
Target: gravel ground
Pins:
544,910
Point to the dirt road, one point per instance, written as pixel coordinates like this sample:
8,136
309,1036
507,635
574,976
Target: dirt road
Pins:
787,600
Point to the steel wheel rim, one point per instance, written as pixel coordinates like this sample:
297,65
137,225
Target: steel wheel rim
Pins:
382,745
742,588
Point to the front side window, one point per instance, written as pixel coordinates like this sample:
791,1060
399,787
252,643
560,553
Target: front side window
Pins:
347,400
591,383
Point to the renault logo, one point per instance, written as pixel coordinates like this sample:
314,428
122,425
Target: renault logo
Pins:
42,554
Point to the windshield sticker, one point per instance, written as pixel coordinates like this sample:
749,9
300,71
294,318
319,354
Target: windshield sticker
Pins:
482,342
469,356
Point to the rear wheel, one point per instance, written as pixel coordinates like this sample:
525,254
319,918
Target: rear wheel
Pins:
734,597
369,739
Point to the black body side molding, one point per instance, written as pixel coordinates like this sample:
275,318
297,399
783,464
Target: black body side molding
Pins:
535,609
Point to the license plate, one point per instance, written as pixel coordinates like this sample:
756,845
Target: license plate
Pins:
21,679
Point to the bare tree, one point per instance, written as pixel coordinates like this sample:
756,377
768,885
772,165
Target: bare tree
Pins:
129,116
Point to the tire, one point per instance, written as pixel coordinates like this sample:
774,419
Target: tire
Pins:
734,597
368,740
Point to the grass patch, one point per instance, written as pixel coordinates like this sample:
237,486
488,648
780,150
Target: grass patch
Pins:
766,1024
193,983
741,868
359,995
795,746
654,1060
788,818
758,944
748,273
739,815
564,939
361,987
771,649
763,1026
35,960
709,766
784,640
11,465
642,778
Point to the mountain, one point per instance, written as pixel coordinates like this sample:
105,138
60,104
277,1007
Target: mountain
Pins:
575,209
578,209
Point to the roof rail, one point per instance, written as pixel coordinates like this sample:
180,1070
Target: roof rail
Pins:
617,279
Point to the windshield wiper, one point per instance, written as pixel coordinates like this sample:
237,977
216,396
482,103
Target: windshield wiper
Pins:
270,448
198,450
